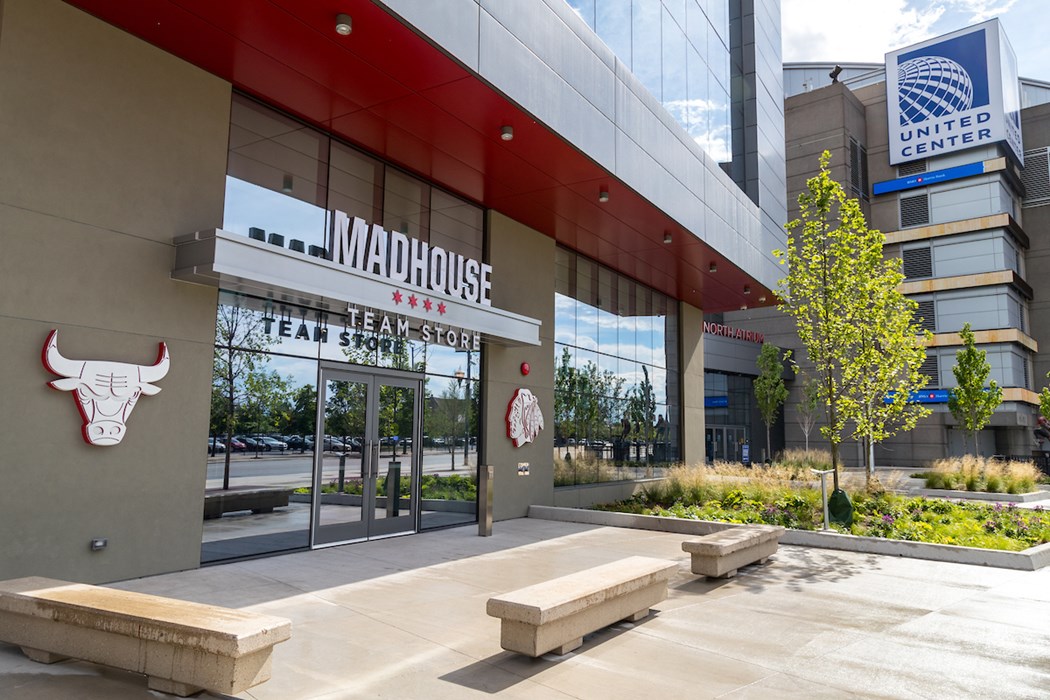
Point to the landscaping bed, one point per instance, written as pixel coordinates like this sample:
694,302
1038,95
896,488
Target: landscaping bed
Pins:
784,496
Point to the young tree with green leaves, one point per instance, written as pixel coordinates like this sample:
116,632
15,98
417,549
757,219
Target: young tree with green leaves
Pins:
970,404
841,292
770,392
1044,400
807,407
885,370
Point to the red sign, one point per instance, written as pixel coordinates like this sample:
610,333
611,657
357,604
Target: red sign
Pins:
734,333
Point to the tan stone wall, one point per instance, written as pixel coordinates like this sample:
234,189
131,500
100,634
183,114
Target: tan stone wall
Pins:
110,147
692,359
522,282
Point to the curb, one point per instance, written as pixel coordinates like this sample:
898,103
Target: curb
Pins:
1028,560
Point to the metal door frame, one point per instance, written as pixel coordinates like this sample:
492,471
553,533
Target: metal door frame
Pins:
368,527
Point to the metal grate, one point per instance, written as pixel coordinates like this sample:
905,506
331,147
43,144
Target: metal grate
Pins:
918,262
858,169
915,210
926,315
1036,177
913,168
932,369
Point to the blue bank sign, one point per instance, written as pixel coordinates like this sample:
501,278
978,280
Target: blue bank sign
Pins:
954,92
930,178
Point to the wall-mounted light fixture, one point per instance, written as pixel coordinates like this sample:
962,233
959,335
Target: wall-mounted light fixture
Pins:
344,24
667,236
506,133
713,267
603,196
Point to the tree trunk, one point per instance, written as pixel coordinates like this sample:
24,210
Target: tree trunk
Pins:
835,464
769,445
976,447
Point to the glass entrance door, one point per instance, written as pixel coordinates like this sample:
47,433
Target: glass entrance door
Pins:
725,443
366,462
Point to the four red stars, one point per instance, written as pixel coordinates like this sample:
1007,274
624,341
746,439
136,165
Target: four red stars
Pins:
413,301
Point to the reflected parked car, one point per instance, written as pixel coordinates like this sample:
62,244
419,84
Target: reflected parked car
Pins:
236,445
215,445
298,442
270,443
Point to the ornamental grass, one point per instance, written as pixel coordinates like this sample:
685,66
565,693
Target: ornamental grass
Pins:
971,473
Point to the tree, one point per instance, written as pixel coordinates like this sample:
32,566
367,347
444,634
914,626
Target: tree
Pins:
770,391
841,292
1044,400
807,407
970,403
239,336
885,370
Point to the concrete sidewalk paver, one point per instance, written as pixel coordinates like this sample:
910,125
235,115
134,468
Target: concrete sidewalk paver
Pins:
405,618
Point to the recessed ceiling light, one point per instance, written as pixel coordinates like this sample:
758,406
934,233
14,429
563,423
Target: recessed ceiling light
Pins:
747,289
603,196
713,267
667,237
506,133
344,24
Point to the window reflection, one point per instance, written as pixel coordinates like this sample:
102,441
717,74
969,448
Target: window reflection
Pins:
678,49
616,415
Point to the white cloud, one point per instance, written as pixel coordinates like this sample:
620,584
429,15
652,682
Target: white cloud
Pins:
981,10
830,30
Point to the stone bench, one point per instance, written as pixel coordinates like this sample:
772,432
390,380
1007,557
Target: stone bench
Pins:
181,647
255,499
556,614
721,553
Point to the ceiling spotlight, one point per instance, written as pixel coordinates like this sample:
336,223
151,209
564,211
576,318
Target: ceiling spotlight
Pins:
667,236
344,24
762,299
747,289
286,183
603,196
743,307
506,133
713,267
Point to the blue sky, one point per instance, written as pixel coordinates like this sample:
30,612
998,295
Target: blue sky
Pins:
833,30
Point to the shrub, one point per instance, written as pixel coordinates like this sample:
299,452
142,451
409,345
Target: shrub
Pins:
980,474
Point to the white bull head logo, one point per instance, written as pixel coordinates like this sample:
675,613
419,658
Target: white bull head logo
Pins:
105,392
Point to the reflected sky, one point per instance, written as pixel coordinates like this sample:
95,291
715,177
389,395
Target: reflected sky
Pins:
679,50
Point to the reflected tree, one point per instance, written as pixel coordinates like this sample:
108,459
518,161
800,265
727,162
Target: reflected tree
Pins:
240,336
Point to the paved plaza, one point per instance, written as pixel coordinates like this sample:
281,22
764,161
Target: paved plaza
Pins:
405,618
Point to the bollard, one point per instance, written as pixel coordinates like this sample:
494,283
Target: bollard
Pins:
824,493
485,474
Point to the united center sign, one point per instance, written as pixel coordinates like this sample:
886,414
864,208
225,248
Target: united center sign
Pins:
954,92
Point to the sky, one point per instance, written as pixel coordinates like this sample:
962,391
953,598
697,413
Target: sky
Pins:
854,31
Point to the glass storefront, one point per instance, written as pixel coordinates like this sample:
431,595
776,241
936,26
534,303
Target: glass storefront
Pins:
616,380
393,445
730,413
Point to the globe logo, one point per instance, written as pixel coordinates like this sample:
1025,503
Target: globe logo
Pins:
930,87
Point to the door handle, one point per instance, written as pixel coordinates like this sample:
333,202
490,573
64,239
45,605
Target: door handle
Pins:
366,453
375,462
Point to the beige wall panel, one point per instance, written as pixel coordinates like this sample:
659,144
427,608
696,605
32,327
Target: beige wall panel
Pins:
692,363
110,149
523,282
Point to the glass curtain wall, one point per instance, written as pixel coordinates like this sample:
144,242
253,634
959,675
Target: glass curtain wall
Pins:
679,49
283,180
616,378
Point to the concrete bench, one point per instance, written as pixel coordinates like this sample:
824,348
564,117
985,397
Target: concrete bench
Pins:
721,553
255,499
181,647
556,614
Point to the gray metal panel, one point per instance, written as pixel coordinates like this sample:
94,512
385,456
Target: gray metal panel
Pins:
451,24
726,355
